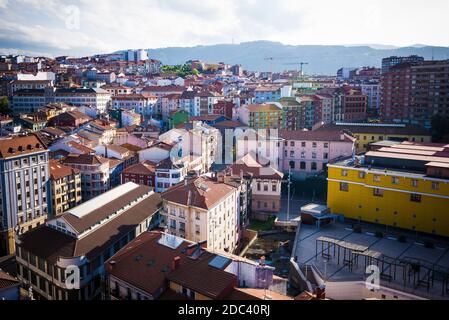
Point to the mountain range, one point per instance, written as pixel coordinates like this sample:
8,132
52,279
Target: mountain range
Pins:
322,59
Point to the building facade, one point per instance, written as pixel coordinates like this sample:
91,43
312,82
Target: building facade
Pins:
24,187
404,185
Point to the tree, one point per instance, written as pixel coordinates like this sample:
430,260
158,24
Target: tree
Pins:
4,106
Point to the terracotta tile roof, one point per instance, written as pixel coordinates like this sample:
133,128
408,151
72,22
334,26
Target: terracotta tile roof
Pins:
148,273
58,170
131,147
88,159
17,146
202,192
229,124
251,164
201,277
145,168
263,107
80,147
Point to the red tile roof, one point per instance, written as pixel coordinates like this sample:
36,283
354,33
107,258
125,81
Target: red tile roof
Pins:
202,192
17,146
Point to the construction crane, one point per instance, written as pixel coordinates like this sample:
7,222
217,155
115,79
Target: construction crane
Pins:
302,64
272,59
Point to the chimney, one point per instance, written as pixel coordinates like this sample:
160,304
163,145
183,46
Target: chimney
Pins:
176,262
220,177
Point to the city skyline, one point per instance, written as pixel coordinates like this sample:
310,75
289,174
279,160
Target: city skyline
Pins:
73,28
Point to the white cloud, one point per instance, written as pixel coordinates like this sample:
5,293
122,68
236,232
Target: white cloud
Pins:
109,25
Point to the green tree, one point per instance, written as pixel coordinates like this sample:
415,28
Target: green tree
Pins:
4,106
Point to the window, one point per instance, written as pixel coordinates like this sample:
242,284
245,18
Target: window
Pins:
414,183
344,186
303,144
376,178
361,175
394,180
326,145
344,173
302,165
415,197
326,155
435,185
314,166
313,144
273,188
313,155
303,155
292,164
292,143
378,192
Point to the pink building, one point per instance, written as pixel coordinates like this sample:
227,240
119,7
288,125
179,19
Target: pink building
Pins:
308,152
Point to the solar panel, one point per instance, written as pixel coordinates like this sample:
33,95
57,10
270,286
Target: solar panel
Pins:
219,262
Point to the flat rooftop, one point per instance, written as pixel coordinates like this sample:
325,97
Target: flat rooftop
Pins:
308,253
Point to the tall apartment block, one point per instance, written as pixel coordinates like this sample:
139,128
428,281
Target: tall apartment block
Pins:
415,92
24,187
390,62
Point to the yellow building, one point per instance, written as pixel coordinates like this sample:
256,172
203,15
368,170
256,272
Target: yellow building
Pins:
65,187
367,133
261,116
404,186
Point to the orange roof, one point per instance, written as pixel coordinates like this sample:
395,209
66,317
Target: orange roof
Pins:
58,170
263,107
18,146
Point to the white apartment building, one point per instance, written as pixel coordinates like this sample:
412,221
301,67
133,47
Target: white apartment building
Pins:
203,209
140,103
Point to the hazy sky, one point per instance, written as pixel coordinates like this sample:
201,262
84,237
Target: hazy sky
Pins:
99,26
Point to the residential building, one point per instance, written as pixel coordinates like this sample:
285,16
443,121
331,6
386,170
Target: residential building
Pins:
261,116
353,104
65,188
403,185
30,100
203,209
142,104
94,173
143,173
266,185
388,63
292,114
81,240
265,94
24,187
307,153
373,97
72,119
